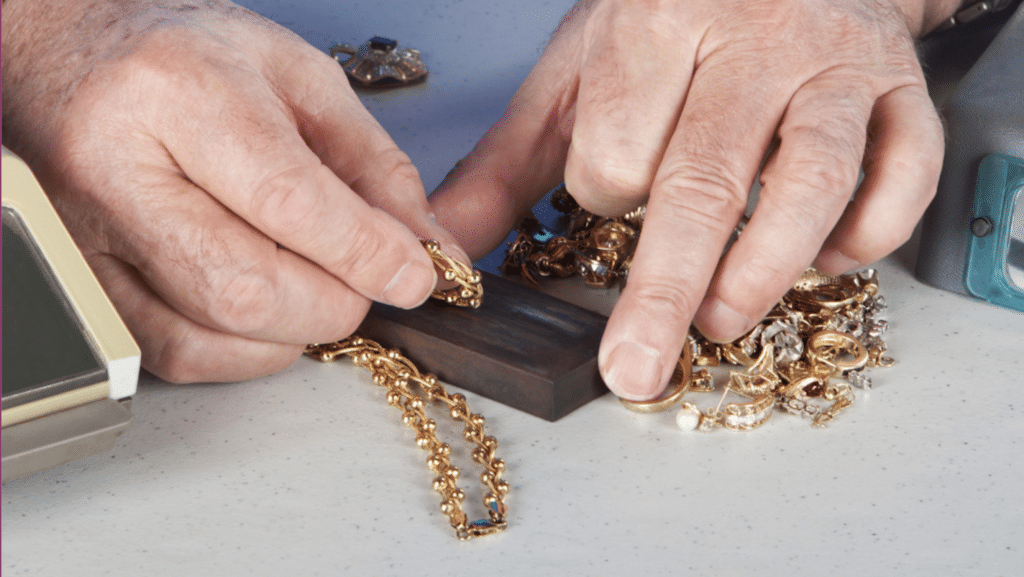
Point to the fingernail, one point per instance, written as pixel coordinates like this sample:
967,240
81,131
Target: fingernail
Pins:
455,251
721,323
461,254
410,286
633,371
834,262
450,248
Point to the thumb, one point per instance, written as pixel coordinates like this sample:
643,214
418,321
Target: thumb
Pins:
518,160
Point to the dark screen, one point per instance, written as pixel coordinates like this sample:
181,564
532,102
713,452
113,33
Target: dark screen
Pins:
44,350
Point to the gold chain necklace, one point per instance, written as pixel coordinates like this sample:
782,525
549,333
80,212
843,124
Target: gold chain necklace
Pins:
401,378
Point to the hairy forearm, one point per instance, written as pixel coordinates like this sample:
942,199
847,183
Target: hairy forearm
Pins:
48,47
52,46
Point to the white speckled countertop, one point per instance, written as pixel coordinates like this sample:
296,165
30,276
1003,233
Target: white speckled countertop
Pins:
309,472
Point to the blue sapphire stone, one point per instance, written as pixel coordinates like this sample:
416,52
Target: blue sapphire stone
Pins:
381,43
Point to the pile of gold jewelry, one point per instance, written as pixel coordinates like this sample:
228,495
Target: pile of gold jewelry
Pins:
600,249
400,377
805,357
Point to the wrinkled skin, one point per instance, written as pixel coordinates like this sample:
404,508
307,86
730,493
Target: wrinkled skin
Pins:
677,104
236,201
223,181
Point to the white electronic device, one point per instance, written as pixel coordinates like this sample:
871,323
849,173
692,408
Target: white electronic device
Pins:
70,366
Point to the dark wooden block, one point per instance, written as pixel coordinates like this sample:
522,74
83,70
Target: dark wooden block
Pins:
523,348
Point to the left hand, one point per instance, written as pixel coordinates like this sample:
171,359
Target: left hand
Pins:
220,176
676,104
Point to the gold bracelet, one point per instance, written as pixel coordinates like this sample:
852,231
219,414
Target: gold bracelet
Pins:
401,378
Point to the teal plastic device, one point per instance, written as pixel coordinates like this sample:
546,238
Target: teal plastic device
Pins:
996,250
972,235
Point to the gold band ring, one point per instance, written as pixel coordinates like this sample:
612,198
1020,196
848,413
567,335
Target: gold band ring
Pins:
679,384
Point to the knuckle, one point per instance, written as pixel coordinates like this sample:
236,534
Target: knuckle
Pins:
820,175
932,162
877,242
819,185
657,6
649,14
707,198
838,139
671,299
364,244
189,355
347,323
708,154
284,203
608,177
246,302
892,238
236,283
165,55
176,358
815,179
399,167
768,271
402,175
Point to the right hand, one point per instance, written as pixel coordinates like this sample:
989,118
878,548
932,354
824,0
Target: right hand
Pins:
222,179
675,104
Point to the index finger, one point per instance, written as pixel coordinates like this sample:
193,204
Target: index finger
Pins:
241,147
697,197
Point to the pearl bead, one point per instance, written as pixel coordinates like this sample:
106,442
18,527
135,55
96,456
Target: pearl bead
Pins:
687,419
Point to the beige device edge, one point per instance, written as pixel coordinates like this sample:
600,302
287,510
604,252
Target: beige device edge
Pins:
59,429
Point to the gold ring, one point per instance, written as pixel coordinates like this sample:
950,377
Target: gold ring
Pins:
838,341
737,356
806,386
746,416
680,383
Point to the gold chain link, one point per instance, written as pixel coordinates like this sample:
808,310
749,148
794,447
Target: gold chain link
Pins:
469,291
400,377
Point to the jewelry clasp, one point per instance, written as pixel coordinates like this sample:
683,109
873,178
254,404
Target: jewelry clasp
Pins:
480,528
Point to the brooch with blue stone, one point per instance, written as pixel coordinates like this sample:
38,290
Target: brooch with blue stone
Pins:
380,62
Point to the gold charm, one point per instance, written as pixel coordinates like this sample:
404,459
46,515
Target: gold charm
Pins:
380,63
